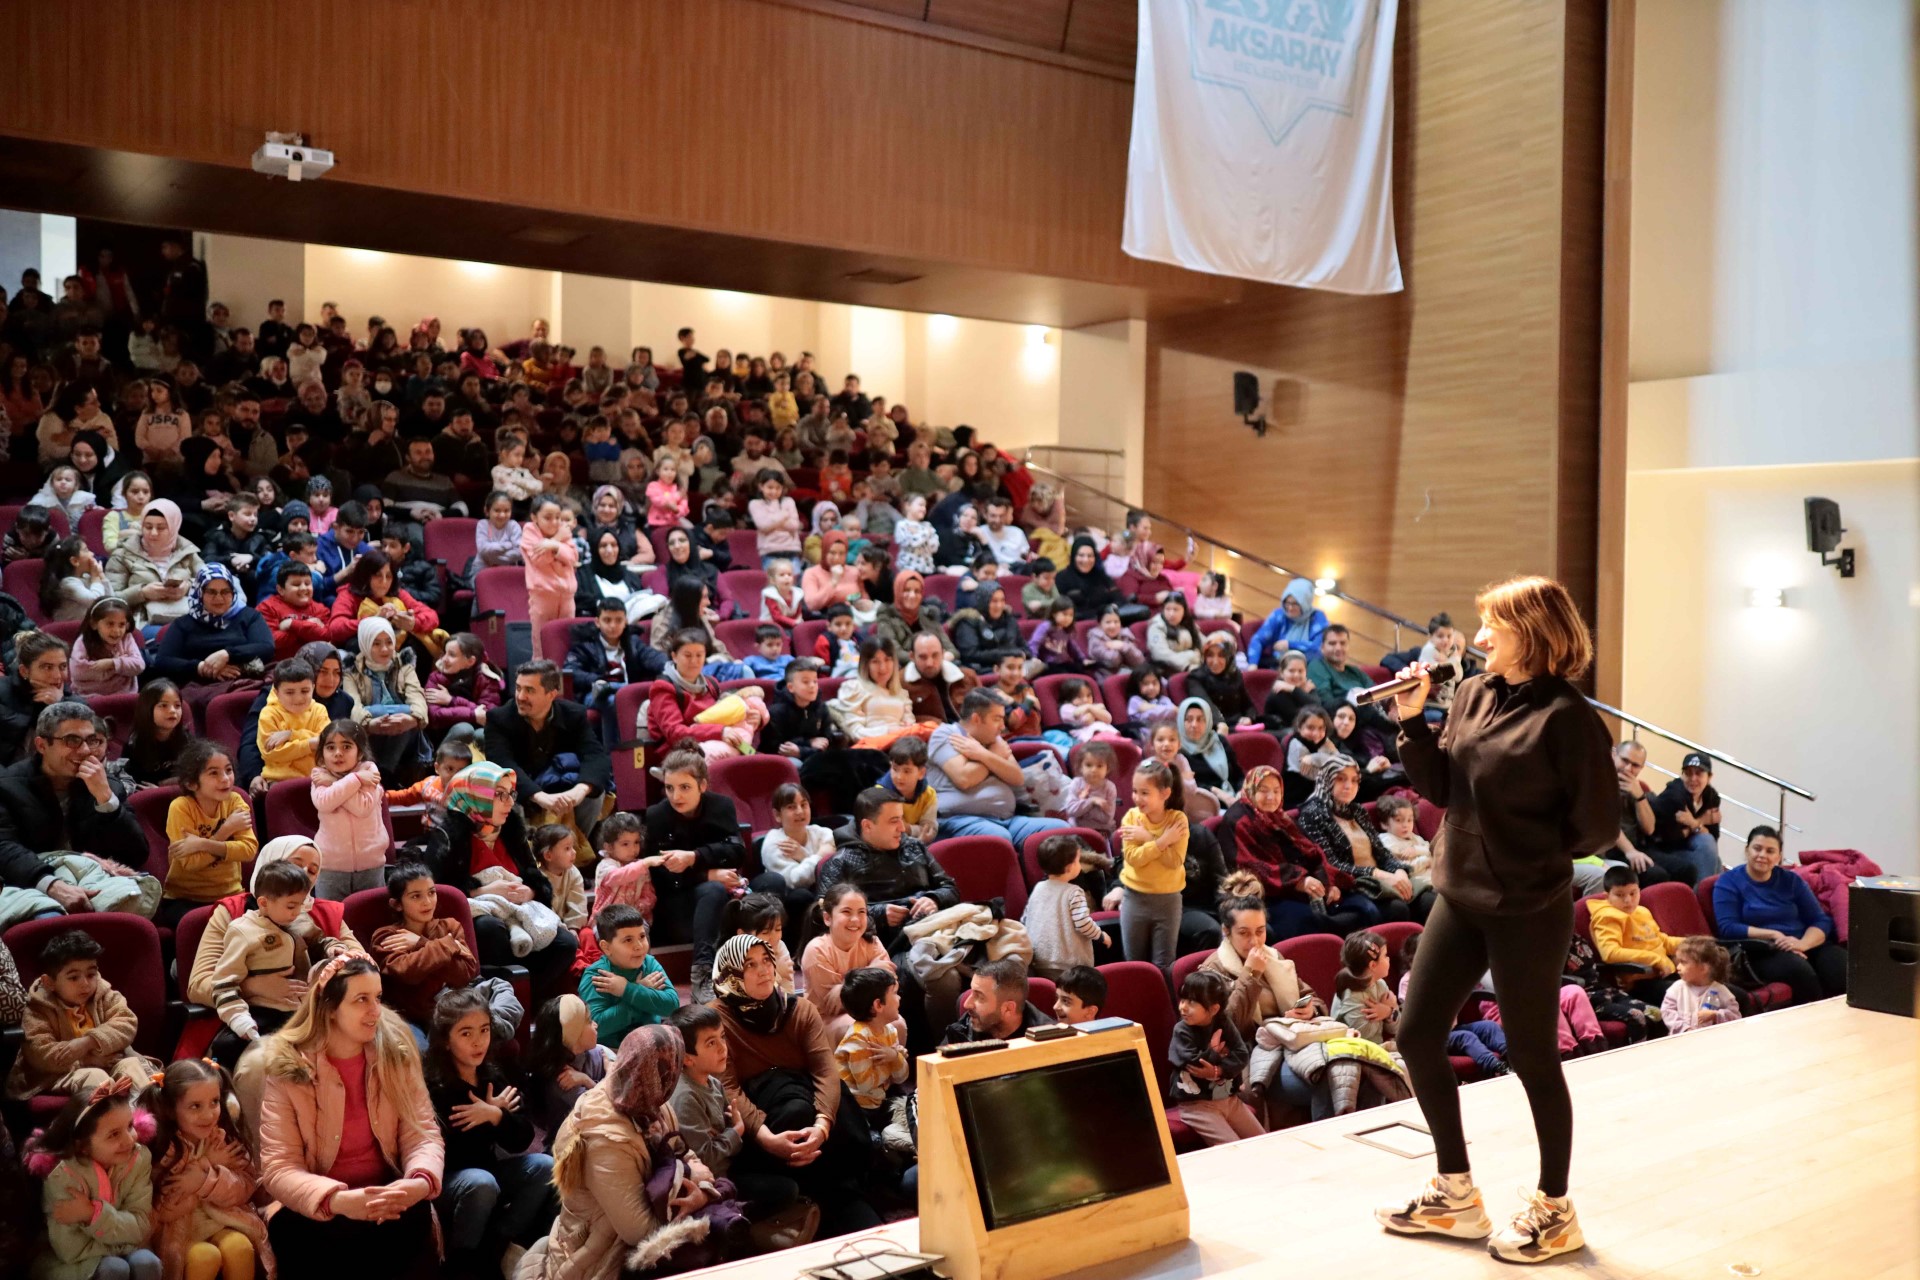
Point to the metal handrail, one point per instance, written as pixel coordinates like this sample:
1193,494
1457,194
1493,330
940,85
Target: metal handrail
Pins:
1719,756
1784,787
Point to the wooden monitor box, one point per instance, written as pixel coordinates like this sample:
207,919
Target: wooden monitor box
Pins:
1055,1210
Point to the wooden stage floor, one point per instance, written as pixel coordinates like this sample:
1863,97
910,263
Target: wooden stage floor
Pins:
1766,1142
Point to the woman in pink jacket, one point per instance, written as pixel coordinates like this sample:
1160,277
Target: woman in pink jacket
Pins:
349,1144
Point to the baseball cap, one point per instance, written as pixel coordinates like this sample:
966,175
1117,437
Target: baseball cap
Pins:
1697,760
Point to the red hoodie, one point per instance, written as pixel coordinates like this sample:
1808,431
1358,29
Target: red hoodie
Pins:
309,624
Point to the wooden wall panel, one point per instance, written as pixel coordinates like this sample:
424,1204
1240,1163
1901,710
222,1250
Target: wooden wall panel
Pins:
1042,23
1104,30
1445,437
861,136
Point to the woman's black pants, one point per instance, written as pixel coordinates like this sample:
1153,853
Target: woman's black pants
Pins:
1528,955
1820,973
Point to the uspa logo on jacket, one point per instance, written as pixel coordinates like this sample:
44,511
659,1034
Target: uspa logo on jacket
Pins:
1289,58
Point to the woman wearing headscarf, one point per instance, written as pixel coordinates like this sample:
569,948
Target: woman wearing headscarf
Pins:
202,487
154,571
1207,750
622,1171
219,640
607,572
1173,641
556,473
910,614
684,563
1219,681
97,464
1296,624
1304,892
373,589
690,608
610,513
1085,582
782,1080
1333,819
1145,582
321,926
389,701
480,829
988,634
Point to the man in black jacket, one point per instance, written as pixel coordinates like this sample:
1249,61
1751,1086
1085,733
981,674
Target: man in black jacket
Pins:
901,880
799,728
997,1007
526,734
60,798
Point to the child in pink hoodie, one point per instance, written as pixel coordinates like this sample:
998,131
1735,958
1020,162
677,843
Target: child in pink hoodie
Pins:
348,795
546,546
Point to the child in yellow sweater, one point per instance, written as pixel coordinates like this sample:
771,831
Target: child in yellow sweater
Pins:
1153,874
290,724
209,834
1624,932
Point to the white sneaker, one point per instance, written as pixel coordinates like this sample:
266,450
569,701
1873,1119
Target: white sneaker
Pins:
1449,1205
1544,1229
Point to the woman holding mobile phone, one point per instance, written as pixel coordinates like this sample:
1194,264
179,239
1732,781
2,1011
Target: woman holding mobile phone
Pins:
1523,766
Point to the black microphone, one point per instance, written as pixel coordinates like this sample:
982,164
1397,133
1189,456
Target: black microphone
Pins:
1394,688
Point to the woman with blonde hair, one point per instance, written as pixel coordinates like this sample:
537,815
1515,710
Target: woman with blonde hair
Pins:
349,1144
1524,769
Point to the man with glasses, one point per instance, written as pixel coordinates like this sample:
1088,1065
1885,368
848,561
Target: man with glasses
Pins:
60,798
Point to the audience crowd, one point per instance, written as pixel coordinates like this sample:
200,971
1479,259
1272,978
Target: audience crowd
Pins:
875,688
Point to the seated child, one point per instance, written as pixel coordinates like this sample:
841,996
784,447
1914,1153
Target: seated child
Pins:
1484,1041
292,613
1085,716
1111,648
622,876
209,832
290,726
1039,591
796,848
260,942
1213,600
1058,919
798,723
107,657
1053,645
765,917
462,688
240,544
1395,816
1208,1058
1291,694
496,539
1701,998
564,1059
1091,799
423,954
626,987
1148,706
870,1056
782,603
1079,993
1362,998
1023,708
205,1179
96,1179
79,1030
769,659
1624,932
606,657
838,647
449,758
906,777
553,849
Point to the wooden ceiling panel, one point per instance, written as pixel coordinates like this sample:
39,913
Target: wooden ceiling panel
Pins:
1039,23
1103,31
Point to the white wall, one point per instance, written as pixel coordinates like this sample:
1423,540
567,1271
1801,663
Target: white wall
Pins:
1002,379
1103,393
246,274
1772,358
720,318
504,301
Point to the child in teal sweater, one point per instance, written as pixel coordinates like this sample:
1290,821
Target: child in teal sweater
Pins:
626,987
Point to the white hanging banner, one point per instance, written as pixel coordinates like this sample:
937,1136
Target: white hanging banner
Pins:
1262,141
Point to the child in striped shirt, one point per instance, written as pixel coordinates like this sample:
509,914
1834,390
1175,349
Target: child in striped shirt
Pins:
870,1056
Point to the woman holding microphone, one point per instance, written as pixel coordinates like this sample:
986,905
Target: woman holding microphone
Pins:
1523,766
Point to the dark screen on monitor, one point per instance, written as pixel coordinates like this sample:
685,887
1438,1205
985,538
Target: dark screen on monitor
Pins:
1053,1139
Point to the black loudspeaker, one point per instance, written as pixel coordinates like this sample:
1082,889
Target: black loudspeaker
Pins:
1246,394
1823,525
1883,947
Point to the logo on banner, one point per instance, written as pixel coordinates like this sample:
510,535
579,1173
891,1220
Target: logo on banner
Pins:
1288,58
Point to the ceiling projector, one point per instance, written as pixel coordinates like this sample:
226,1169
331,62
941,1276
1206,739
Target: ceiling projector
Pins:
287,155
